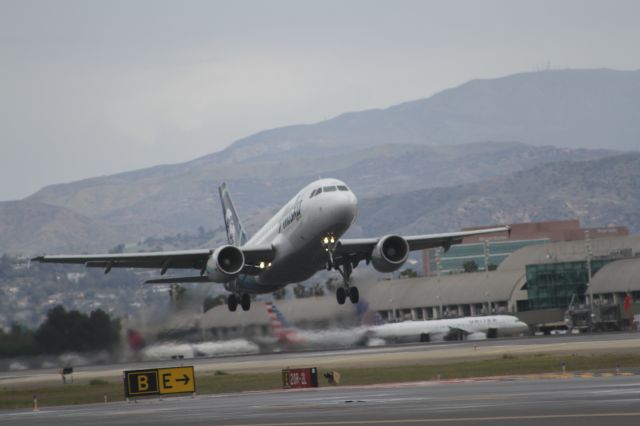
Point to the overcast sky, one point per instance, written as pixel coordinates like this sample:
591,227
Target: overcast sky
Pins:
89,88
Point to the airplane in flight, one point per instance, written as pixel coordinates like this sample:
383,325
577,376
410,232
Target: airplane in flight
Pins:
302,238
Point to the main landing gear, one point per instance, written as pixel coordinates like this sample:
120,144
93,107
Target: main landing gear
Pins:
329,244
245,302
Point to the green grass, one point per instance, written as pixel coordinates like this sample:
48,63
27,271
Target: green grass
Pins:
94,390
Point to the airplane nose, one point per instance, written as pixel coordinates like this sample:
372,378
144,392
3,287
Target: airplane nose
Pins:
346,208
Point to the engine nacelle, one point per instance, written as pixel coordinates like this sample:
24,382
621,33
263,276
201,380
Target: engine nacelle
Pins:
227,260
477,335
390,253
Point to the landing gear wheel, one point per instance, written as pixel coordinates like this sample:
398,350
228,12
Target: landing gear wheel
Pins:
245,302
354,294
341,295
232,302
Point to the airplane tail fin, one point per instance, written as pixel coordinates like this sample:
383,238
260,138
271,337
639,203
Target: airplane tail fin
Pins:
235,232
282,329
366,316
135,340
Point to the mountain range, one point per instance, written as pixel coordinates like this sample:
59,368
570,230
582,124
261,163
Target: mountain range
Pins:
531,146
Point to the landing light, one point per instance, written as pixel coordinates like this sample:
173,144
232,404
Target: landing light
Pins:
333,240
326,240
261,265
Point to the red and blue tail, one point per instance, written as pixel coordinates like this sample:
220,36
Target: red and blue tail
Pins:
282,329
366,316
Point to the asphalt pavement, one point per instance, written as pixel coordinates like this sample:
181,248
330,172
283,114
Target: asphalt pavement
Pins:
571,401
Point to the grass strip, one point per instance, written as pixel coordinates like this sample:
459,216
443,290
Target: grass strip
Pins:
93,391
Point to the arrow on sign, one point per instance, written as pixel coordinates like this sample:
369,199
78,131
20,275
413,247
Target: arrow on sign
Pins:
185,379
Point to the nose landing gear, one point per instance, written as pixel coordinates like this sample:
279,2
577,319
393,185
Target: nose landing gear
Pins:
329,243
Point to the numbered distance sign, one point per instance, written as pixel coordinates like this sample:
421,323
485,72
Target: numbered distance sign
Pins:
296,378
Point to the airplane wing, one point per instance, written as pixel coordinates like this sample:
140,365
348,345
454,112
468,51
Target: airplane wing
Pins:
361,248
163,260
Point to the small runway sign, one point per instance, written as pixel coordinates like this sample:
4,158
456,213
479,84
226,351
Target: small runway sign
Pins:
159,381
296,378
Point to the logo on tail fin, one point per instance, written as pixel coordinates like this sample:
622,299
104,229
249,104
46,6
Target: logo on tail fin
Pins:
368,317
281,327
235,232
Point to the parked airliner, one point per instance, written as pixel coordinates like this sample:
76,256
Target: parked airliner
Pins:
466,328
374,330
302,238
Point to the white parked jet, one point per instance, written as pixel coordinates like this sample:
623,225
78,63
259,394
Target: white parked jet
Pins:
466,328
299,240
375,331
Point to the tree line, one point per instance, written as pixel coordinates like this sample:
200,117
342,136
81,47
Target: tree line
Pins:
62,331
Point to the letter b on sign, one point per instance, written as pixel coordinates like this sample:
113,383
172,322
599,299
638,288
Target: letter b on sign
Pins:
143,383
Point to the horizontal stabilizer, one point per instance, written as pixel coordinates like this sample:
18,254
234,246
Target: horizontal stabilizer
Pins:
176,280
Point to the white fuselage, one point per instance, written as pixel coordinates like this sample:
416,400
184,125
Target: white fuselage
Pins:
473,328
296,233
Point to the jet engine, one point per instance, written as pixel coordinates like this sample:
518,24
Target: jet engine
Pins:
477,335
390,253
227,260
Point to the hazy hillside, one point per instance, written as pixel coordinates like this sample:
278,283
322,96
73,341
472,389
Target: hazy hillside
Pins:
572,108
181,198
599,192
410,147
32,227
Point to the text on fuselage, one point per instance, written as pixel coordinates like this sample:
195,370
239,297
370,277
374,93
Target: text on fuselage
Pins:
292,216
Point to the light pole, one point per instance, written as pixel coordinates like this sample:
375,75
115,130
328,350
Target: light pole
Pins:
486,256
587,242
486,293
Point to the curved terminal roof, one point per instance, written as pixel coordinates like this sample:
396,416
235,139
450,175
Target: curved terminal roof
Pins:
617,277
458,289
568,251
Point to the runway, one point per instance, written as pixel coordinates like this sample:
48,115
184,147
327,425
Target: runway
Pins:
430,353
583,402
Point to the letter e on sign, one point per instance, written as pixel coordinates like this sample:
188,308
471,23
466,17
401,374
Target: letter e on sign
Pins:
177,380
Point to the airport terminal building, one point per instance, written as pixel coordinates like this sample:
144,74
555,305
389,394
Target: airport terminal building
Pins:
538,283
546,285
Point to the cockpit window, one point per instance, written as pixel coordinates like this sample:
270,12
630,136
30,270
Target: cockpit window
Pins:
342,188
315,192
329,188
